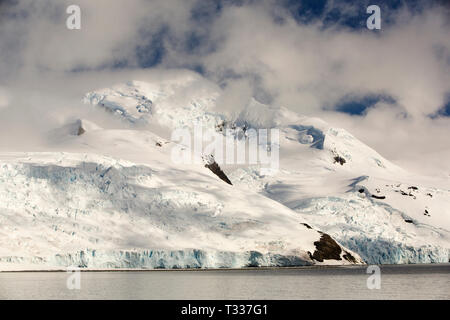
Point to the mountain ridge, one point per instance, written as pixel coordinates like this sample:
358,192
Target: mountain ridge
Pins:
114,197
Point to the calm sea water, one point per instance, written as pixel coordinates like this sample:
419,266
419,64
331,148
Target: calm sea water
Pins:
397,282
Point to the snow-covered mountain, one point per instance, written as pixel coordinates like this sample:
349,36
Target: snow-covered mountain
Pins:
104,197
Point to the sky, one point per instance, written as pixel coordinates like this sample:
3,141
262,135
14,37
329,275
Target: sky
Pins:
388,87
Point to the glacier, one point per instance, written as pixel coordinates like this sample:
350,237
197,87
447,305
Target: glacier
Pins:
109,197
125,215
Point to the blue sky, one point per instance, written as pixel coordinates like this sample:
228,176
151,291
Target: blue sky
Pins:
359,105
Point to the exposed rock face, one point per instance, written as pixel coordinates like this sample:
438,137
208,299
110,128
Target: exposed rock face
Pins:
326,248
74,128
348,256
339,159
214,167
80,131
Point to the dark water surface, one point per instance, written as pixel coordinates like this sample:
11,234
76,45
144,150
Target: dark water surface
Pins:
397,282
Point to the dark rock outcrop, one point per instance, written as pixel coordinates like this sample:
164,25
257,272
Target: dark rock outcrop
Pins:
80,131
339,159
349,257
326,249
214,167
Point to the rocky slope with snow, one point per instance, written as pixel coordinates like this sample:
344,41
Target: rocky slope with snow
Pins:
105,198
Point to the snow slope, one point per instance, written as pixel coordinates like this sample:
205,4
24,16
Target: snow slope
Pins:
114,198
60,209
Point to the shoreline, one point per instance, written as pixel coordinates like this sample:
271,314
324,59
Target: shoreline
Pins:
314,267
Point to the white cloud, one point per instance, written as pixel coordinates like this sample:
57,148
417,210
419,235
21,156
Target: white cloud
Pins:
305,67
302,67
4,98
36,37
416,143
